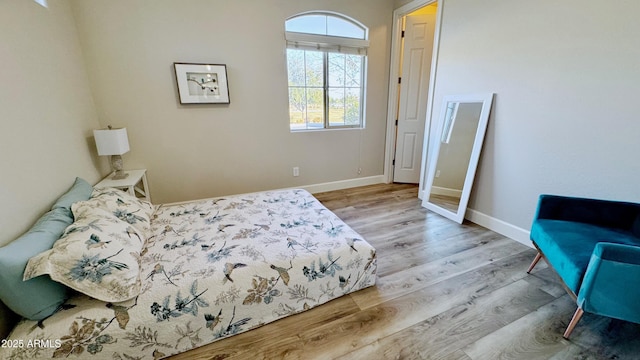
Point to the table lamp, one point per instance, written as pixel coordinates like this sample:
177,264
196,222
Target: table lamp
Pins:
113,142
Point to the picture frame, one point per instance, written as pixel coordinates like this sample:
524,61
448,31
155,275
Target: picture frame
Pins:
202,83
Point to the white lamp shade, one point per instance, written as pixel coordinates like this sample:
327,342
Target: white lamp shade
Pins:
111,142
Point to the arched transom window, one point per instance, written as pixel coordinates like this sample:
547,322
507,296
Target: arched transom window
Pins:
326,68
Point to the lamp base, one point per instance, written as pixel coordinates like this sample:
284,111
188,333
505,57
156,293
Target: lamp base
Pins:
116,165
119,175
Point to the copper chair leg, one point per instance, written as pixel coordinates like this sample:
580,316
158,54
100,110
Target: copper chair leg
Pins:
574,321
535,261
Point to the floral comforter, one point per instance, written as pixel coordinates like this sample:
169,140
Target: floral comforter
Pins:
211,269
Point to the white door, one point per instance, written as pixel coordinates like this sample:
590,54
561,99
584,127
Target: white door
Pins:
412,104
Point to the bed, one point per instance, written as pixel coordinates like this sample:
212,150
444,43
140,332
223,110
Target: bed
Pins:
165,279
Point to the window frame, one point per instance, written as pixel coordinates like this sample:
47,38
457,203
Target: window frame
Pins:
327,44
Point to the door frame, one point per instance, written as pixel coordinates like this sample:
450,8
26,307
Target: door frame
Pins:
394,73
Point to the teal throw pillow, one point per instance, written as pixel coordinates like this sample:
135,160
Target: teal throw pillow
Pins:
39,297
79,191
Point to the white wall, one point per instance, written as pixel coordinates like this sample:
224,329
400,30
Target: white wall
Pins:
564,118
195,151
46,112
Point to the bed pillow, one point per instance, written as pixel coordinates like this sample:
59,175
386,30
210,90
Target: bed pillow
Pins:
79,191
39,297
124,206
97,255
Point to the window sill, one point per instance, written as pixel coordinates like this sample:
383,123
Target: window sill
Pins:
325,130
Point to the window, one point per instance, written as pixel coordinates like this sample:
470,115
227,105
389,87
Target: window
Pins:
326,68
449,120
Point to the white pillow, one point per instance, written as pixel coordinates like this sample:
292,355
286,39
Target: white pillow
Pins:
97,255
126,207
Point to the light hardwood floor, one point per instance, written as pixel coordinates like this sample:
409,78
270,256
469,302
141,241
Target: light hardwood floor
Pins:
444,291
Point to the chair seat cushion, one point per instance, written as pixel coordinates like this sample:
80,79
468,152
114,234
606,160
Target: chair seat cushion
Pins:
568,245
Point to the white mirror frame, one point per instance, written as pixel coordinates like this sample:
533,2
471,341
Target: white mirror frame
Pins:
486,100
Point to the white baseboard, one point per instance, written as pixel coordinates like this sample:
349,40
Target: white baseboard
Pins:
343,184
503,228
438,190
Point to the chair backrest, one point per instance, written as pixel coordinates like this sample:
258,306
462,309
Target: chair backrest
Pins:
612,214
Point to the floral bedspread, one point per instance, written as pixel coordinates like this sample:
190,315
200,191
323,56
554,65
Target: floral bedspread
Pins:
211,269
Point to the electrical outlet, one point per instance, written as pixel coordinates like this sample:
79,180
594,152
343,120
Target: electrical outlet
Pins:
296,171
437,173
359,170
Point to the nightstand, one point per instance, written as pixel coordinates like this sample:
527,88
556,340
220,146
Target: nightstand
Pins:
135,184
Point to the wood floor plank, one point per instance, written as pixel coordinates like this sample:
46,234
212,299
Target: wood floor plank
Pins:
444,334
537,335
456,355
405,282
546,280
407,253
600,337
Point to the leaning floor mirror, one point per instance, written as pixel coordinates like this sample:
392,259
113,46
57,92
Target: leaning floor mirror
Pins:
454,158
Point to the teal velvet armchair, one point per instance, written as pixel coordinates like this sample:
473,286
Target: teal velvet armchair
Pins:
594,246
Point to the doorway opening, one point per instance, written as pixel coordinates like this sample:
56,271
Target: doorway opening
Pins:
414,49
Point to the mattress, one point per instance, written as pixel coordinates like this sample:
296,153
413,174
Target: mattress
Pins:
211,269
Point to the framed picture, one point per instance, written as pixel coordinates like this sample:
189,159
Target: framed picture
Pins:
202,83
